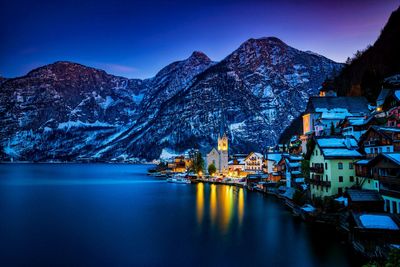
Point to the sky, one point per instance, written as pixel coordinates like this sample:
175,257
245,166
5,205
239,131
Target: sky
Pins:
135,39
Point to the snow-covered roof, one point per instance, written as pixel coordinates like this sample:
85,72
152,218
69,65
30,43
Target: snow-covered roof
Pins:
363,161
258,155
354,105
341,152
295,158
274,156
374,221
339,142
397,94
393,156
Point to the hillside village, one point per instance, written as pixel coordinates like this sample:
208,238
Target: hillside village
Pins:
343,169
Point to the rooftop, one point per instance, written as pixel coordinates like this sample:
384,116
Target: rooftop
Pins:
353,105
364,195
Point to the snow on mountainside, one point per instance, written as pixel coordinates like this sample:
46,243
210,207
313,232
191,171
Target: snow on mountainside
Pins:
256,91
66,111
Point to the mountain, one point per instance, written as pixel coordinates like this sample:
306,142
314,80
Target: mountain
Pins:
254,93
67,111
366,72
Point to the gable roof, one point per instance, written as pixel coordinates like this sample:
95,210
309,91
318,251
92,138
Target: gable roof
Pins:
213,150
335,147
364,195
354,104
384,131
393,157
259,155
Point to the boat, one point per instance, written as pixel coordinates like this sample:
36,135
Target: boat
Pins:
178,180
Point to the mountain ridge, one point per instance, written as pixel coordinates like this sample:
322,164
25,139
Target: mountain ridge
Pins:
68,111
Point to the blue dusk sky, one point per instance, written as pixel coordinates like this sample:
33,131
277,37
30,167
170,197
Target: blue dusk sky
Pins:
136,39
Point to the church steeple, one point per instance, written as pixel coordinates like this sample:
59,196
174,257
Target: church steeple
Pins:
222,143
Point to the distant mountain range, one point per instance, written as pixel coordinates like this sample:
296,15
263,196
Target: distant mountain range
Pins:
67,111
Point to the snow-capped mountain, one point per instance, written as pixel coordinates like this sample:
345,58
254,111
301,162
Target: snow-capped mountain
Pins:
68,111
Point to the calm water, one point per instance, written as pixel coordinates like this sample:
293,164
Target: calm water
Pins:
115,215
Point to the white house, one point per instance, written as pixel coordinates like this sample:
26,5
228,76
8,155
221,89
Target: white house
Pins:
254,162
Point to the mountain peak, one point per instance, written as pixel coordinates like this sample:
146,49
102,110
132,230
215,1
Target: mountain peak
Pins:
199,56
63,68
265,40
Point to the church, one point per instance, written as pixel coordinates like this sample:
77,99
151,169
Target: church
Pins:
219,156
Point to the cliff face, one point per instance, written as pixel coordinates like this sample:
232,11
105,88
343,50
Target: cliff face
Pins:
66,111
365,74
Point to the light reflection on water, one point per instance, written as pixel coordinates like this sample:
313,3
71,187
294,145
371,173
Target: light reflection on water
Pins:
225,203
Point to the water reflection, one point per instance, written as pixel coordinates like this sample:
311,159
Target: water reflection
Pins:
224,203
213,203
240,206
200,202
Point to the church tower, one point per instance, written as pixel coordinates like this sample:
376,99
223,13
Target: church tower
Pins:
223,143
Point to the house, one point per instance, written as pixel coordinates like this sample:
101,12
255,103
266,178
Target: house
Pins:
324,112
364,178
179,164
254,162
364,200
270,160
380,139
386,168
332,165
290,168
356,126
236,167
219,156
372,232
392,108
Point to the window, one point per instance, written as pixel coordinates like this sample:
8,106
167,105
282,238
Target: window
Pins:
340,179
340,166
326,176
326,189
376,184
316,152
388,149
351,179
351,166
326,166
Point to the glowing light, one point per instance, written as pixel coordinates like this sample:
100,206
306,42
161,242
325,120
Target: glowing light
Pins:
240,206
213,203
200,202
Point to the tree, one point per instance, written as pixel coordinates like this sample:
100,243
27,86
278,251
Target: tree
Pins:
212,169
305,168
198,163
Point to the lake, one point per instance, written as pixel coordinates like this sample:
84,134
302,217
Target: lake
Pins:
116,215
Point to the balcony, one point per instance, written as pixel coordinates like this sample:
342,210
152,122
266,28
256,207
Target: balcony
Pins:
371,143
317,169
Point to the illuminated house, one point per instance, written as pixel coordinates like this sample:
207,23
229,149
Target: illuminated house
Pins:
237,167
254,162
323,112
219,156
332,165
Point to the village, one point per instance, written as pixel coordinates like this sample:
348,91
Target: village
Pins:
343,170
